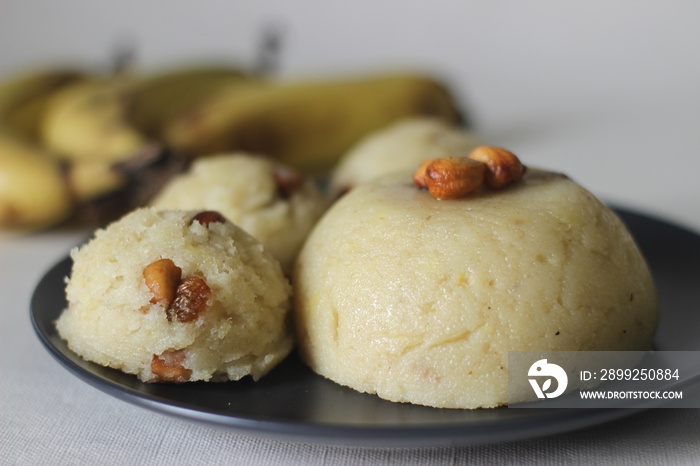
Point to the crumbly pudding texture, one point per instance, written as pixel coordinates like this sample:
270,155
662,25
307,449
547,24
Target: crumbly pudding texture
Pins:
177,296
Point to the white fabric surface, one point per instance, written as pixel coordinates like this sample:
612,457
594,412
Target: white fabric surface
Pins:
607,93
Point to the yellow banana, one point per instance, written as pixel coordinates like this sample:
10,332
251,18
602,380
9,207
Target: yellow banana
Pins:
308,125
68,151
103,192
89,180
38,190
23,99
33,188
162,97
87,121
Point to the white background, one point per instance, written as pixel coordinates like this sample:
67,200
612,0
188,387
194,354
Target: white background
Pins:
605,91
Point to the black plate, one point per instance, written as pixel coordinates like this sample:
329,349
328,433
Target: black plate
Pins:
293,403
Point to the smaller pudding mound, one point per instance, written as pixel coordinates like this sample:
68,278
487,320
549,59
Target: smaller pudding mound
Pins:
270,201
175,296
420,299
403,145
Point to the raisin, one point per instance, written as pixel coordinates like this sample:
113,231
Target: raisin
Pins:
190,300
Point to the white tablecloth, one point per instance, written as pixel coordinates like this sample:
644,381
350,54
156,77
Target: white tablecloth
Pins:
607,93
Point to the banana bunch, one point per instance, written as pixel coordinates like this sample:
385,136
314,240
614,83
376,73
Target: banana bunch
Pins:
73,142
65,146
306,124
33,190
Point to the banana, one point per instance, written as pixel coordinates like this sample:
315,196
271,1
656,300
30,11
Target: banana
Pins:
104,192
33,190
72,143
162,97
68,151
87,121
38,190
305,124
90,180
23,99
